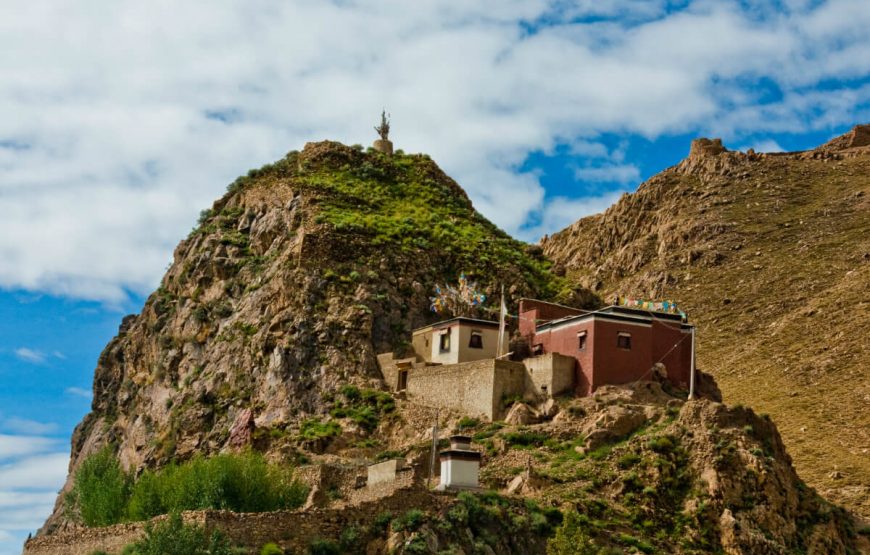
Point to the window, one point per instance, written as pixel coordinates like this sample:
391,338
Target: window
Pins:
476,341
581,341
445,341
623,340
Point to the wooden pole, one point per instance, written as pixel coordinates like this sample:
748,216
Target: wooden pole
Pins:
500,349
434,448
692,368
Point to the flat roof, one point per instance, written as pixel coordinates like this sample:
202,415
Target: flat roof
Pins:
553,304
458,319
620,313
652,313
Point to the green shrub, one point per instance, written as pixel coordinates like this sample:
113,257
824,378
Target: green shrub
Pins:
383,520
314,429
637,543
271,549
100,489
523,438
628,460
102,493
349,539
417,546
466,423
411,520
572,538
662,444
324,547
365,407
173,537
242,483
508,400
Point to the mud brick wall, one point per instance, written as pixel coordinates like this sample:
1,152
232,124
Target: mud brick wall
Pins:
473,388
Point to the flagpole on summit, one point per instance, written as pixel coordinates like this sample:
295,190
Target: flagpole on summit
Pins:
501,326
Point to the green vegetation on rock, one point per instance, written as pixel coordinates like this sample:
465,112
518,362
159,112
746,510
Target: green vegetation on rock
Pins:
173,537
100,490
104,494
403,202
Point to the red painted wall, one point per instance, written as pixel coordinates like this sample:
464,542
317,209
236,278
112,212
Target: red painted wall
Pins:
603,362
533,313
564,341
673,348
614,365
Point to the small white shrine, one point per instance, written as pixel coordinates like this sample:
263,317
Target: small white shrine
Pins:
460,465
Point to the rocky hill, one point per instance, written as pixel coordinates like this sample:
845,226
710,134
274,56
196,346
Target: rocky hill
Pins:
264,332
286,290
770,256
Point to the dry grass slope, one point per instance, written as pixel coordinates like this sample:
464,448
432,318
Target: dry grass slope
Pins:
770,255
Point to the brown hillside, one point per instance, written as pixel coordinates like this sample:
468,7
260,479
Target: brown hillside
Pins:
770,256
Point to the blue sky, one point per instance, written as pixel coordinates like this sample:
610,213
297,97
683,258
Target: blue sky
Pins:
122,120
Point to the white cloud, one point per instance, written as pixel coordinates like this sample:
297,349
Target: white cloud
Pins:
27,427
24,445
611,173
41,471
32,470
30,355
79,392
559,212
108,152
765,145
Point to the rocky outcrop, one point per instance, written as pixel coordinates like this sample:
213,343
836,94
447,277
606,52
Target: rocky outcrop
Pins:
711,478
859,136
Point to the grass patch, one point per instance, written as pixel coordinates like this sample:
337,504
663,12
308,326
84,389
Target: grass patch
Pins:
103,494
364,407
315,429
524,439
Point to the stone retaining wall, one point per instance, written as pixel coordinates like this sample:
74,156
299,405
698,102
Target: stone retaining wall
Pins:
474,388
292,530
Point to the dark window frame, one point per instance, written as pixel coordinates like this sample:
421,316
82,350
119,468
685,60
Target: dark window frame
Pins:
623,340
581,340
444,342
475,334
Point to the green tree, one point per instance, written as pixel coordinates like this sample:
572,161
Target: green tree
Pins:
572,538
100,489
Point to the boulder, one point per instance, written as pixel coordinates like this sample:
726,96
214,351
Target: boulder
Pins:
520,414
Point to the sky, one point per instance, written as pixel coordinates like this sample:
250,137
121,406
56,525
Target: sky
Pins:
121,120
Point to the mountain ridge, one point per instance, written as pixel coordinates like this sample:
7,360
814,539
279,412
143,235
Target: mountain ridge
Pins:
765,252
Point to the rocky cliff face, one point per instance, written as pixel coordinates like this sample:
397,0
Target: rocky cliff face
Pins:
286,290
770,256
